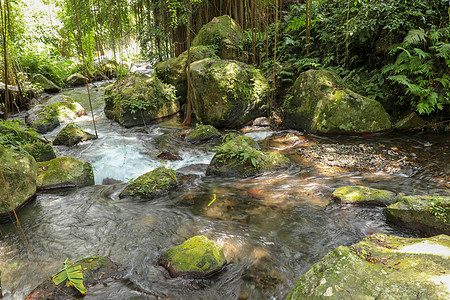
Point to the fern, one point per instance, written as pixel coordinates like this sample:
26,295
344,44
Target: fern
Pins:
415,37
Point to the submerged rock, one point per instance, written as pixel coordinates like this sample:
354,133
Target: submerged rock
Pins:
95,270
321,104
240,157
48,85
410,122
363,195
139,100
202,133
59,109
76,80
16,137
20,172
429,214
380,267
64,172
152,184
166,155
223,33
197,257
173,71
228,94
71,135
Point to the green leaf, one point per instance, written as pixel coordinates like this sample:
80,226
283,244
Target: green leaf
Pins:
73,274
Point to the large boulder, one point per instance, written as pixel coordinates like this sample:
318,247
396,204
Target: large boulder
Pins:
18,137
380,267
58,109
240,157
319,103
197,257
223,33
71,135
228,94
139,100
173,71
95,270
19,171
152,184
363,195
76,80
202,133
48,85
429,214
64,172
410,122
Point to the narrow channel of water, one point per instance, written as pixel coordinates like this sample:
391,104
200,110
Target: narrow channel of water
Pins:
273,227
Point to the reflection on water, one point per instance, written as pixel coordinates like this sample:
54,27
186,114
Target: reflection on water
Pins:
272,227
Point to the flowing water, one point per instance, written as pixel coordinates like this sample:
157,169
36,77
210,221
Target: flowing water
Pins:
272,227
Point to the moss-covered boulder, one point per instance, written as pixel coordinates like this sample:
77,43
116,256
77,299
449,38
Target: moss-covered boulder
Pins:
20,172
380,267
108,67
48,85
17,137
71,135
152,184
59,109
139,100
95,270
98,75
173,71
76,80
410,122
240,157
429,214
363,195
320,103
202,133
228,94
197,257
64,172
224,34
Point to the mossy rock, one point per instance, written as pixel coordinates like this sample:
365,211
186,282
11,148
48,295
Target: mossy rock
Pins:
202,133
410,122
58,109
71,135
228,94
197,257
64,172
429,214
363,195
240,157
98,75
17,137
319,103
48,85
380,267
224,34
20,171
109,68
76,80
152,184
95,270
174,70
139,100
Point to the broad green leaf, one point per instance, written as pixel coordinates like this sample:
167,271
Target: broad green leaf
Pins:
73,274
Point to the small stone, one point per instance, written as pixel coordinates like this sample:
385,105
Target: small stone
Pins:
166,155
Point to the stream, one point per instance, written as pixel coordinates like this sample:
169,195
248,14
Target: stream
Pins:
273,227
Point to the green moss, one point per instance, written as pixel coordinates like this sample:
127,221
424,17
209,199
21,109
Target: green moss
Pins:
203,133
63,171
363,195
71,135
379,267
196,257
138,99
152,184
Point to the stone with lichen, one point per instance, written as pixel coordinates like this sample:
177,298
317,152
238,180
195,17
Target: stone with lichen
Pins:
202,133
197,257
380,267
363,195
71,135
320,103
228,93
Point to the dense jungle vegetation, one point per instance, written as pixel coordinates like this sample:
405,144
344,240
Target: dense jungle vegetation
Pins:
397,52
